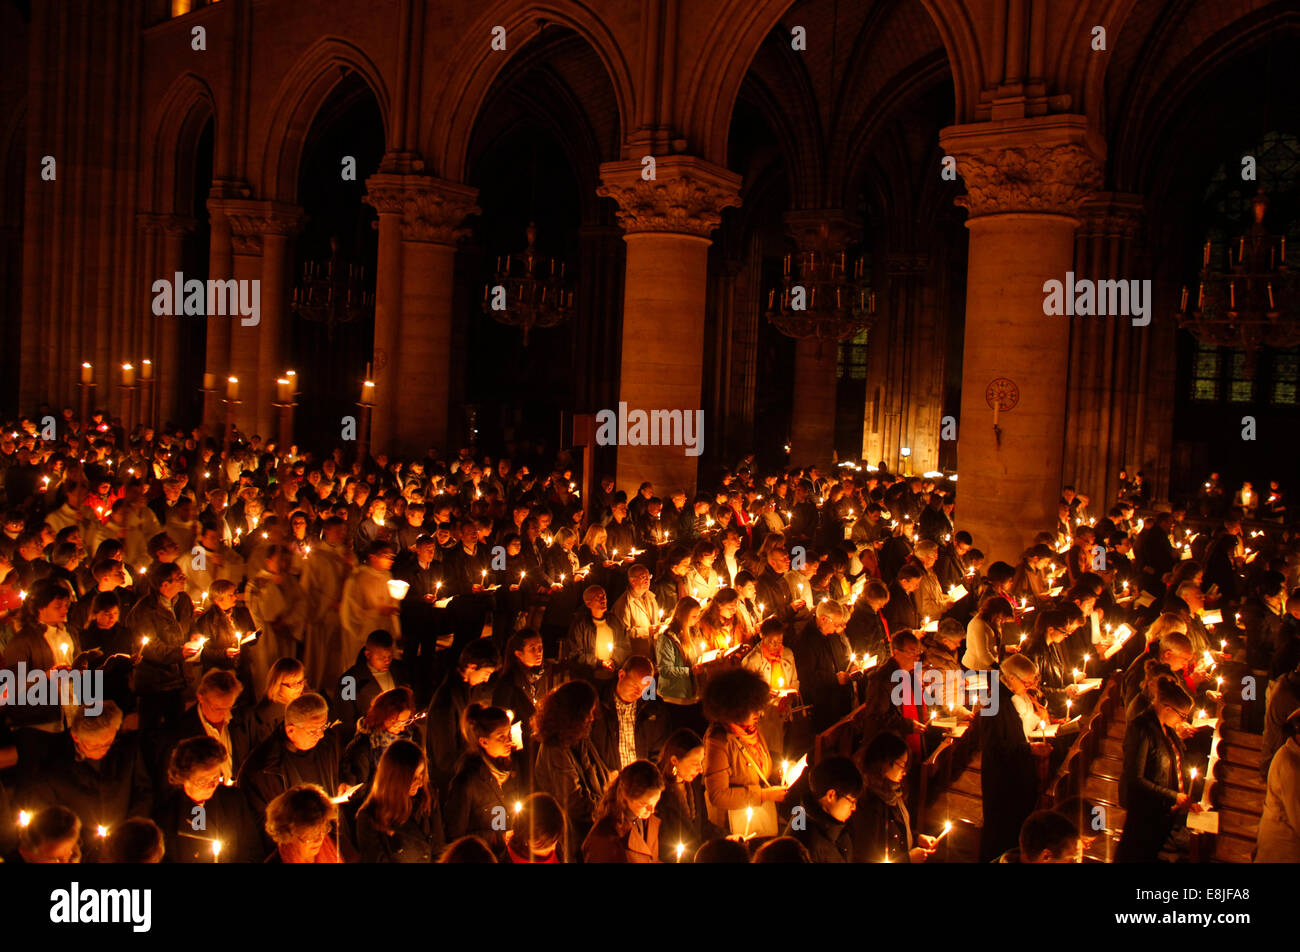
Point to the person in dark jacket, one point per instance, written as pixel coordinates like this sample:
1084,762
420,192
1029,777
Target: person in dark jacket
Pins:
165,617
526,678
399,821
901,611
867,630
42,645
683,810
1155,788
217,695
896,679
818,822
468,682
630,724
391,718
204,820
94,769
1009,772
626,828
285,683
881,828
303,750
821,660
488,786
568,766
374,673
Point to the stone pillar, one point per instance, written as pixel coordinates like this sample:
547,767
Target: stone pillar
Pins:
413,402
826,231
259,239
1103,427
666,226
162,339
217,346
1025,181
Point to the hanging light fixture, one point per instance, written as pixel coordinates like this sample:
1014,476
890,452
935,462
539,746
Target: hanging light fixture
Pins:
333,292
527,290
1249,304
819,299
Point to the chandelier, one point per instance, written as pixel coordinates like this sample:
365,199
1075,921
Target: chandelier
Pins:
819,300
1251,303
333,292
526,291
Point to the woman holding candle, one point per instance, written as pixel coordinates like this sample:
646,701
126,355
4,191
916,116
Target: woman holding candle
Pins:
742,781
881,827
626,829
676,652
720,626
1155,788
391,718
702,578
568,766
1045,647
399,821
301,822
43,643
984,638
489,778
200,809
526,678
683,809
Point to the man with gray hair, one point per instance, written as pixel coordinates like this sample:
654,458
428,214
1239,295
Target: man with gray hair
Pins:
930,598
94,770
637,616
303,749
821,657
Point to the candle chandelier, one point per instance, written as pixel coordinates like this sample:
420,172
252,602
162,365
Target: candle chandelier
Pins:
528,290
333,292
1252,302
824,296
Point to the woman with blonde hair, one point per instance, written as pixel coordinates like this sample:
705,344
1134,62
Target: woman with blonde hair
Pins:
626,828
702,578
302,824
285,683
399,821
720,625
676,652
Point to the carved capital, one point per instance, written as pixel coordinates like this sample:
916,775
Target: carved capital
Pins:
822,230
250,220
1112,215
685,197
1050,165
432,210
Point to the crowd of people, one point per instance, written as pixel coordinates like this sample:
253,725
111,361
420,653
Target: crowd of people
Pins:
296,658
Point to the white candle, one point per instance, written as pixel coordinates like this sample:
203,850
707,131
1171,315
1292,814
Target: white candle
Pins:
232,388
128,375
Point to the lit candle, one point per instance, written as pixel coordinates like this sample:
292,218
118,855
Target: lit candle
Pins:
216,851
146,369
128,375
232,388
368,393
282,392
24,818
519,805
87,373
397,588
101,831
681,848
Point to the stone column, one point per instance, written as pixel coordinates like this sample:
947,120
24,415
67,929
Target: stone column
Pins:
666,225
417,363
281,223
1025,181
826,231
166,331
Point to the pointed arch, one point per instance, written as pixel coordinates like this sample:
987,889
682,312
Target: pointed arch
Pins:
184,111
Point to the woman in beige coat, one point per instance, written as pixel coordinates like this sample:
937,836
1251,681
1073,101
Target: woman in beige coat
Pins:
740,773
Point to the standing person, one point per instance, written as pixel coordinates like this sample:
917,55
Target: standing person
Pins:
626,829
279,610
367,604
1009,773
742,780
201,811
568,767
165,617
1279,825
399,821
1155,789
881,827
326,569
675,655
683,809
285,682
465,684
488,780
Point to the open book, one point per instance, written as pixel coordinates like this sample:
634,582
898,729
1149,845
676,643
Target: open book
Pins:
1212,618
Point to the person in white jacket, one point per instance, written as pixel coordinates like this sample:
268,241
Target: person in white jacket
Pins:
279,610
1278,840
326,569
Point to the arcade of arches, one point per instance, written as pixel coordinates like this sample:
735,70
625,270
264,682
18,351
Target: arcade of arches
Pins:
223,162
